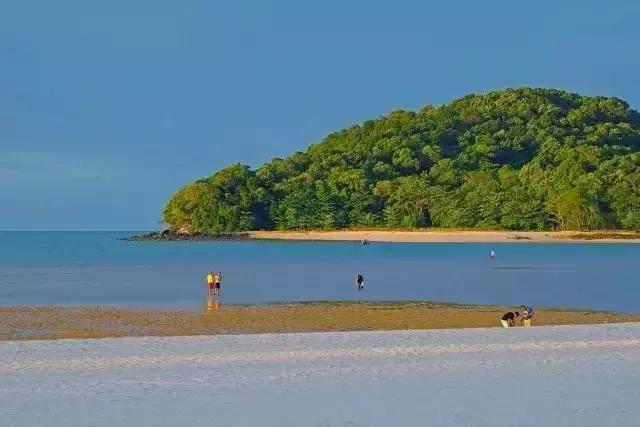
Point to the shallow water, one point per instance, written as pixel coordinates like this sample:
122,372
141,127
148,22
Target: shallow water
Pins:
89,268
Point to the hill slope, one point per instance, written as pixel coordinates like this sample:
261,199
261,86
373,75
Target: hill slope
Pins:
527,159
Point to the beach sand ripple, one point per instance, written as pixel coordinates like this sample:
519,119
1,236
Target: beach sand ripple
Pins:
557,375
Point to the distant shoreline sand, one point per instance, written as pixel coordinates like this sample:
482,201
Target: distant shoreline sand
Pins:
36,323
453,236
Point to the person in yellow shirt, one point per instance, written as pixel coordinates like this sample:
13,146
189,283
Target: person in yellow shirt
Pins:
211,283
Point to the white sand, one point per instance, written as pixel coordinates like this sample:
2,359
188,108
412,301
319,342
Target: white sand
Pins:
566,375
442,236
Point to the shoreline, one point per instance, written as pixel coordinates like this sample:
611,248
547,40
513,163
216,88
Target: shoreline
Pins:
452,236
43,322
399,236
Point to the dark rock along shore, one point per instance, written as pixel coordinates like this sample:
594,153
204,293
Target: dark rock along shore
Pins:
168,235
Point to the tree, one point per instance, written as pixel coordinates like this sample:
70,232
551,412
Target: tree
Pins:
515,159
575,210
408,203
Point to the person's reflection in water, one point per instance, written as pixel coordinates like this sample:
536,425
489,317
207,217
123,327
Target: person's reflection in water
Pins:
212,305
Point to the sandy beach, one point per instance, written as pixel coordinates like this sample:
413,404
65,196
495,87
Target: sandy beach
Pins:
28,323
558,375
452,236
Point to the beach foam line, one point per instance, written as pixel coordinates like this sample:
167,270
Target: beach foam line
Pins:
204,359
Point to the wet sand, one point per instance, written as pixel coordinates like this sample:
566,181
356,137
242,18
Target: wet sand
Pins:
453,236
25,323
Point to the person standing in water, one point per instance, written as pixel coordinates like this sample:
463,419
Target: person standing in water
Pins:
359,281
218,282
492,254
211,283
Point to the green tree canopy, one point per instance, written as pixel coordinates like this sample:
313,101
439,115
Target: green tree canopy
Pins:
519,159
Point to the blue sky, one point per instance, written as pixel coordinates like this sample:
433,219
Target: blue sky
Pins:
108,107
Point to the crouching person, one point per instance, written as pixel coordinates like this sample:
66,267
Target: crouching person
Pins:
508,320
527,315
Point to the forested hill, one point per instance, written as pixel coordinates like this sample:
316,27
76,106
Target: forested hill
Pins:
521,159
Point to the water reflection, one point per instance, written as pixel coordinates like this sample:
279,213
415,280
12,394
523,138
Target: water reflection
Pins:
212,304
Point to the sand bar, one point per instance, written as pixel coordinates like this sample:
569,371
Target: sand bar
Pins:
28,323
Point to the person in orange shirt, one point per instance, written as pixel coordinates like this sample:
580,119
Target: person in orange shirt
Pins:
211,283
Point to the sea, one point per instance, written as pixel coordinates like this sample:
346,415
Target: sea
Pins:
100,269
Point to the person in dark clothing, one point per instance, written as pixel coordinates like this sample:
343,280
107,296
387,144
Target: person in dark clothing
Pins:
508,320
359,281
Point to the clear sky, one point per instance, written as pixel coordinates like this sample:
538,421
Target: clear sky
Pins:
108,107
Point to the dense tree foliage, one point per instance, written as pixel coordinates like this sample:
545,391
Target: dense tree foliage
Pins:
522,159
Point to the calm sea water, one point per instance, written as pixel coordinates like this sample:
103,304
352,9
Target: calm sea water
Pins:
88,268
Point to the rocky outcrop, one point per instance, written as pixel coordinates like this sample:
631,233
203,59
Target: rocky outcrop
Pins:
168,235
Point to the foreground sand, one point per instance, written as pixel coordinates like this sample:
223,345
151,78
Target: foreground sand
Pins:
444,236
553,376
18,323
